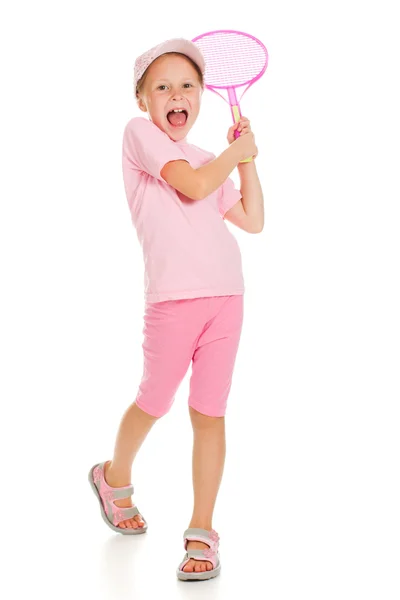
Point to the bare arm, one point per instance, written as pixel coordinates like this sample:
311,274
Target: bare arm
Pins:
199,183
248,212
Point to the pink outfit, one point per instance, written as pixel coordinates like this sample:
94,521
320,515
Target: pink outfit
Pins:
203,330
188,250
193,275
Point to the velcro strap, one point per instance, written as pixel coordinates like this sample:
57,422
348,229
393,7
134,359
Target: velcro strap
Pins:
121,493
196,554
126,513
192,532
199,555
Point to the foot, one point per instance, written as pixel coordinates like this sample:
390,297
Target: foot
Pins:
137,520
195,565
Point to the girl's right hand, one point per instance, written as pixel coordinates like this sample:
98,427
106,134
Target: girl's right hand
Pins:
246,146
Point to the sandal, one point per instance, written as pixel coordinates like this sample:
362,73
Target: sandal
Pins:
195,534
112,514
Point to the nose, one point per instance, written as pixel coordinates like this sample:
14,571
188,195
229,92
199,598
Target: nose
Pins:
177,94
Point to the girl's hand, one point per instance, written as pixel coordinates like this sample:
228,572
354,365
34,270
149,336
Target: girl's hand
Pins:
245,146
243,126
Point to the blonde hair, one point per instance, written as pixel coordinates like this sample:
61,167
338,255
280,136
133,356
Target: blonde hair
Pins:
142,80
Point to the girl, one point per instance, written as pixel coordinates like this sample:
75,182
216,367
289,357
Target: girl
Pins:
179,196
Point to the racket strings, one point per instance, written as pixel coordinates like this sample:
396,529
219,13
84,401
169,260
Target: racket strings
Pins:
231,59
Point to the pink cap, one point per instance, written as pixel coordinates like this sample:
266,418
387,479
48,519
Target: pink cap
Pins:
181,45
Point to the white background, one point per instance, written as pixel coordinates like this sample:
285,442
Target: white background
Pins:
309,503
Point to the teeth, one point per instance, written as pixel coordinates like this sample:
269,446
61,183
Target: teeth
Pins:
178,110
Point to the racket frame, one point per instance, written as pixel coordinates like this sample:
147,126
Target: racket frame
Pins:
232,97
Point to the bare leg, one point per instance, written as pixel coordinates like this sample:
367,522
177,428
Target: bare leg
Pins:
209,448
134,427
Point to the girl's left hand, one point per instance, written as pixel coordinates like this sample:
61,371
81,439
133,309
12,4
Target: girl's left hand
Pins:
243,126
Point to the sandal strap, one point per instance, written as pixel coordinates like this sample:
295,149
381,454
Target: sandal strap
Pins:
198,554
192,532
197,534
121,493
121,514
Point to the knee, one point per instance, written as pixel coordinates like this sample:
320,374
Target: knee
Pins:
154,401
203,421
151,413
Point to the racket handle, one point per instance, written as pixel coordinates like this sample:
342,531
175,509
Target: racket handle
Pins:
236,116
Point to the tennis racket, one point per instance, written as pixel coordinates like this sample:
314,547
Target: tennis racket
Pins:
233,59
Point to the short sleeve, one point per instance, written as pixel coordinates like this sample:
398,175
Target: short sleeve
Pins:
228,196
146,148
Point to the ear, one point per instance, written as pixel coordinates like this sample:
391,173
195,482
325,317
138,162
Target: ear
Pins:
141,104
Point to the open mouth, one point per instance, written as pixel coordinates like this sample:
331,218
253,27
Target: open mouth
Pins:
177,117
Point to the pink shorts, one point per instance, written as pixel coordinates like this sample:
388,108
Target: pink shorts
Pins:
203,330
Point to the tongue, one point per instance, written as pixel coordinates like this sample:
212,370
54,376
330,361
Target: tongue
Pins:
177,119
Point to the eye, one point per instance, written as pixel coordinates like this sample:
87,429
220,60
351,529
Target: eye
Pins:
188,84
161,86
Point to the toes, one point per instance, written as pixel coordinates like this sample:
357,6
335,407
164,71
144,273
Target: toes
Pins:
192,565
125,524
138,519
188,568
197,566
130,523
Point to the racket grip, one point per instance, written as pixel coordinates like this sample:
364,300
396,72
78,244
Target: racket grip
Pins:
236,116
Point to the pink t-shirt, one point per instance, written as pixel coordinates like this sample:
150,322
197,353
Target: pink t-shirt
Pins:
188,249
